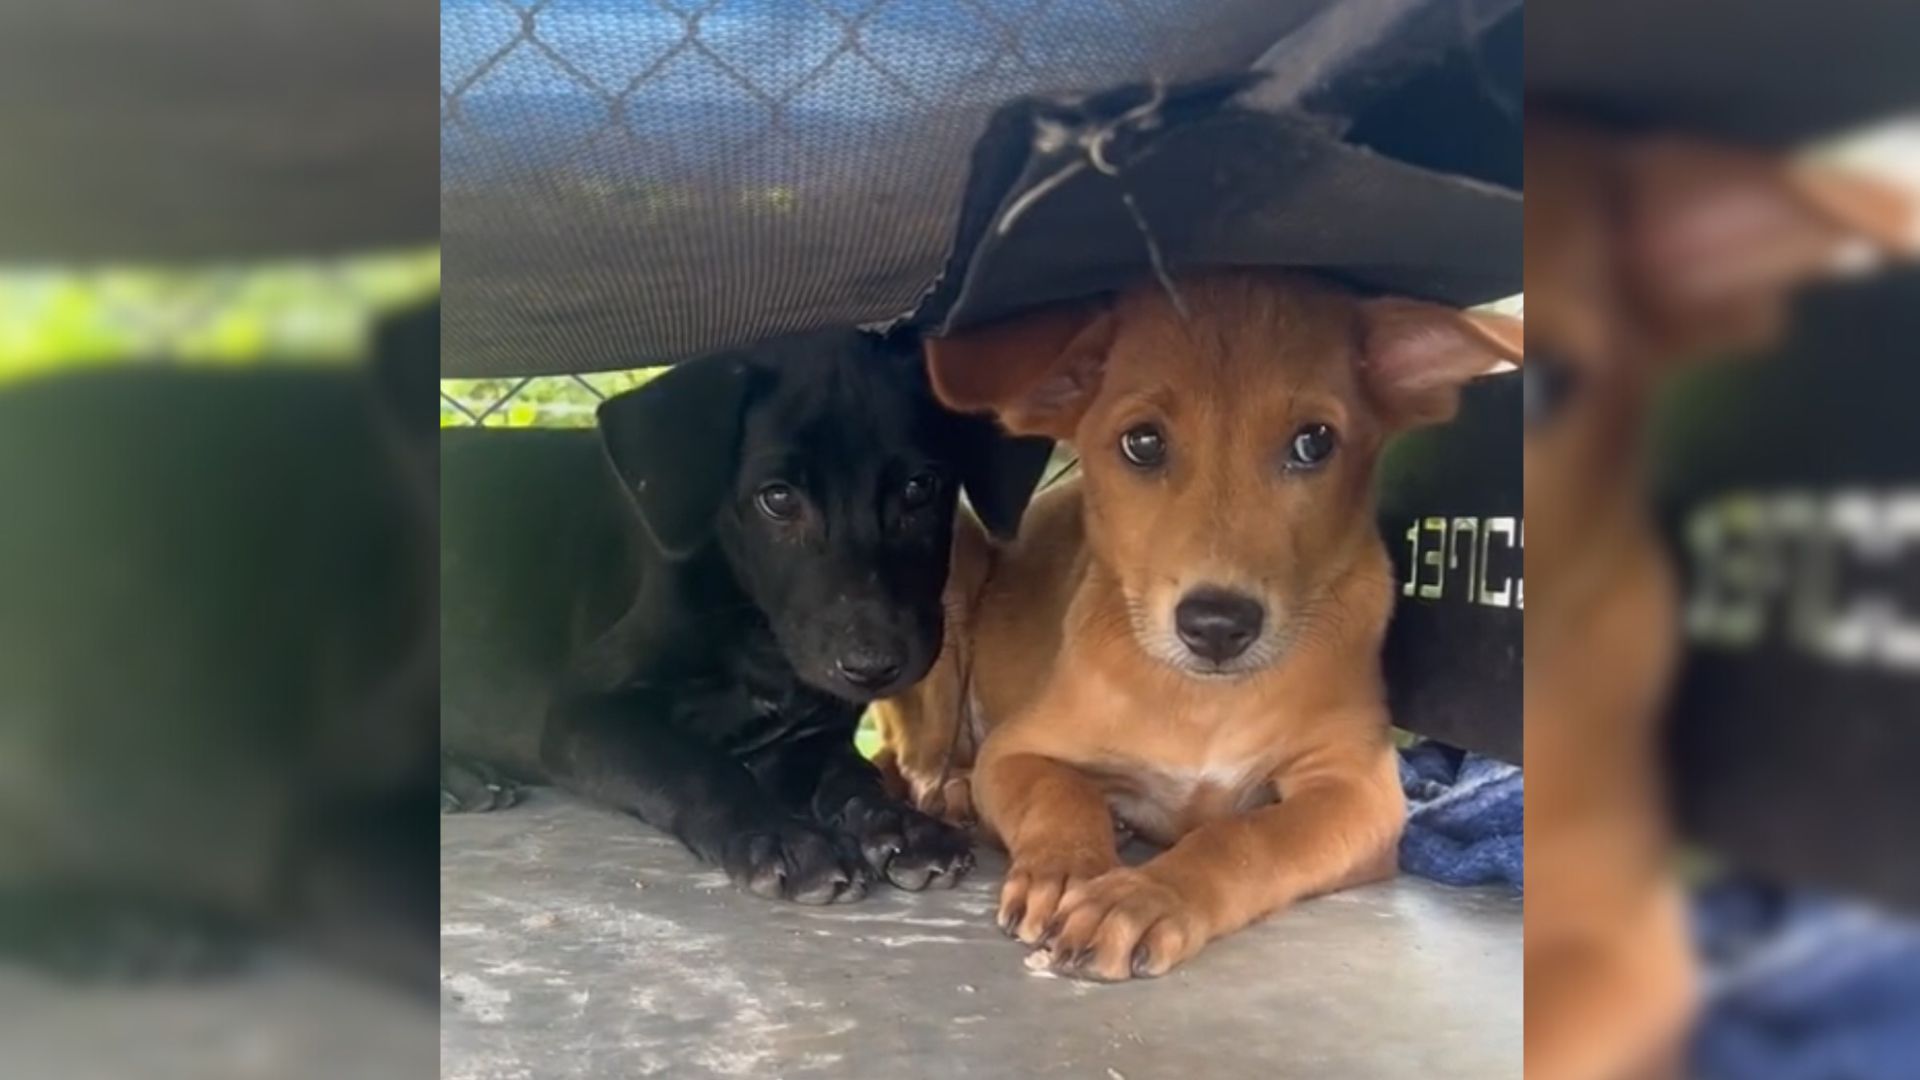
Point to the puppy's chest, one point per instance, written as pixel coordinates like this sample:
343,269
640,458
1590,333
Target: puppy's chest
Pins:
756,701
1164,800
742,721
785,709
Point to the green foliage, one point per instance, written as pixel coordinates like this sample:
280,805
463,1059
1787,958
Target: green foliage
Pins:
53,318
867,738
546,401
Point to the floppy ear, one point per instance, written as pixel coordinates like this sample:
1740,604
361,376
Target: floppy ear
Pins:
1416,356
998,471
1036,372
1717,237
675,443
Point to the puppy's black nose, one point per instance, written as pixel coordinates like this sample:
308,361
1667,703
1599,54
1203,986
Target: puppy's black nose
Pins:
868,669
1218,625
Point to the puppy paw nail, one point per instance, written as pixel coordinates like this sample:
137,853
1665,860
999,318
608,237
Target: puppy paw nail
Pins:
1142,965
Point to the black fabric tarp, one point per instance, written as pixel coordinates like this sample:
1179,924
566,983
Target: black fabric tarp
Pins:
1450,513
1186,179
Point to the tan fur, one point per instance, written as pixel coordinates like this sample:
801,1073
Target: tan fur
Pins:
1270,785
1639,253
926,746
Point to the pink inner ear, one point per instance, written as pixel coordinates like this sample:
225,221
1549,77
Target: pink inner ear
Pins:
1418,355
1008,365
1711,225
1063,389
1068,377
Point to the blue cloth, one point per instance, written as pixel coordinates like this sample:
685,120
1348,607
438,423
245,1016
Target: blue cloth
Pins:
1802,986
1465,817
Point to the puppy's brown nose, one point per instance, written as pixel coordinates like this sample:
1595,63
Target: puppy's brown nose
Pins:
1218,625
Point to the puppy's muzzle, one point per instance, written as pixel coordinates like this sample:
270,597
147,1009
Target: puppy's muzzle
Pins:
1218,625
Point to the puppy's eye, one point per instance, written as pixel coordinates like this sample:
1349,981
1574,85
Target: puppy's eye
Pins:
919,490
1311,446
1546,382
1144,446
778,501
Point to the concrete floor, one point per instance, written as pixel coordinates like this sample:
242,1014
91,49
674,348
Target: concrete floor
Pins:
579,944
286,1019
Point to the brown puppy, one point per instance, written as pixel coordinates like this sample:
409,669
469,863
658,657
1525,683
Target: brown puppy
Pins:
927,744
1187,636
1640,253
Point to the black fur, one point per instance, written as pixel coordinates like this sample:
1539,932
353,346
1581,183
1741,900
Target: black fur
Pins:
720,703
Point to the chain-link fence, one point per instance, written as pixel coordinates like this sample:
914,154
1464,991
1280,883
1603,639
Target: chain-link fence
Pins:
538,401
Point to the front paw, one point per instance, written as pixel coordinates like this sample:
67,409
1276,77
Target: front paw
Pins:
1037,880
906,847
1123,924
799,862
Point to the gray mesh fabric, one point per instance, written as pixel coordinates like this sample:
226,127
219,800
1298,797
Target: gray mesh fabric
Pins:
214,129
636,181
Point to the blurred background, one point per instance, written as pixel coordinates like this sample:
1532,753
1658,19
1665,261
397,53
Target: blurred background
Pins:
218,338
1723,212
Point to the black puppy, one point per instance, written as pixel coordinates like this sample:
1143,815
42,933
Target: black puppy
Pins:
777,561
